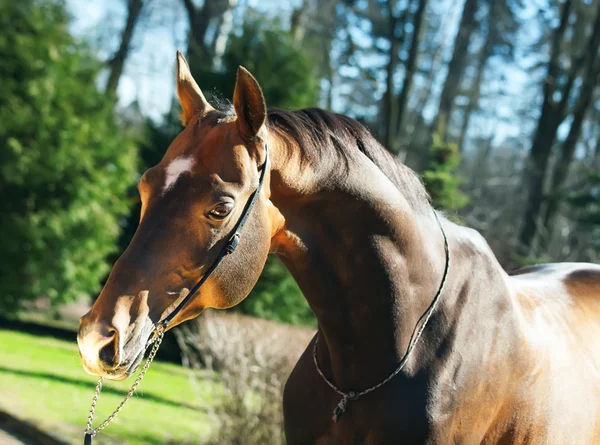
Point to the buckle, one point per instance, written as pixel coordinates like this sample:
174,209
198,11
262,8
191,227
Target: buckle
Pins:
232,243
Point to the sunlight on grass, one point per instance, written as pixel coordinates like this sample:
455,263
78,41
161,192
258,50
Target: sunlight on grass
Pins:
41,380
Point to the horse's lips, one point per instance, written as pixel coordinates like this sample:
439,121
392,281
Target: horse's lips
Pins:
131,369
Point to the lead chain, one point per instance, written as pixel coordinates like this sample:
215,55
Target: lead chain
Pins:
157,338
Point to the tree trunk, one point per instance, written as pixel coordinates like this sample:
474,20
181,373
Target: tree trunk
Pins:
199,19
330,79
535,176
388,109
456,67
300,19
480,166
567,153
219,43
116,64
411,64
484,55
413,126
552,115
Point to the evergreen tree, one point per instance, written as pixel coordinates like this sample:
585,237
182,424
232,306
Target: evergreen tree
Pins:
585,201
441,180
64,164
286,73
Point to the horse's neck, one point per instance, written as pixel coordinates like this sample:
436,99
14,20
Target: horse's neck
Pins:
367,262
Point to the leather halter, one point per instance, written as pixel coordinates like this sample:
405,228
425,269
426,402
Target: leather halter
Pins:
227,249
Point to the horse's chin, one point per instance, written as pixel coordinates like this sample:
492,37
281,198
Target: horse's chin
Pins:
117,378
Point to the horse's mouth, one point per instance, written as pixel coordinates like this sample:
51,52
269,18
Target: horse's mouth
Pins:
125,370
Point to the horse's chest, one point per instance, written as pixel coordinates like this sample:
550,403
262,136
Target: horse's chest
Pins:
390,415
365,424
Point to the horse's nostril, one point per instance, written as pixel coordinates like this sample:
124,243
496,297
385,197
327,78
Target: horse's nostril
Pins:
108,353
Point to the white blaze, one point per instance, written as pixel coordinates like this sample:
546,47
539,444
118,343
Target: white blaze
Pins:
175,169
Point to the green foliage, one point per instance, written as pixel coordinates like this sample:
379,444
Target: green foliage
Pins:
441,180
285,72
64,166
586,201
524,261
276,296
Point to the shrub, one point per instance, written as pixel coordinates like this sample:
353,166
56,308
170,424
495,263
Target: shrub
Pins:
251,359
64,163
441,180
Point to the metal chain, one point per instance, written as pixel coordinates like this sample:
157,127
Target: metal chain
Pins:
157,338
414,338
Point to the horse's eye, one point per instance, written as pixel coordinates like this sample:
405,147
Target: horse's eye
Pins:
222,210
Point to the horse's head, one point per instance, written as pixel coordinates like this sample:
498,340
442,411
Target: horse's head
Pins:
191,201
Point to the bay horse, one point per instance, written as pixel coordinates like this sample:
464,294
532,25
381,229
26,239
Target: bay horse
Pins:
503,359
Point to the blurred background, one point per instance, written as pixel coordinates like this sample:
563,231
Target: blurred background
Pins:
495,102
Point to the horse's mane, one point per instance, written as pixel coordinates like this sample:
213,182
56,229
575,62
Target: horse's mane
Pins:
329,137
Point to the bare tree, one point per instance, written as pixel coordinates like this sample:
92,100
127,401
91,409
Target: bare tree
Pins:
397,22
567,148
301,18
117,62
557,97
411,64
456,67
200,47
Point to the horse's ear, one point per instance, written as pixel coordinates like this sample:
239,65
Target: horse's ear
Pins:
249,103
190,96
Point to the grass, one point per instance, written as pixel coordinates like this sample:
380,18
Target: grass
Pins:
41,380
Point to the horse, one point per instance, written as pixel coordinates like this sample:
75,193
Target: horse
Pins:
499,358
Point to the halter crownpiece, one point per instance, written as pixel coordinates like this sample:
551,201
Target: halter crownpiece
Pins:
161,327
414,338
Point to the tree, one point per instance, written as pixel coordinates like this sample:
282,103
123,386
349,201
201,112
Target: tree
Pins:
202,44
456,67
590,79
586,202
440,176
396,35
276,296
117,62
499,29
411,63
264,48
65,164
566,65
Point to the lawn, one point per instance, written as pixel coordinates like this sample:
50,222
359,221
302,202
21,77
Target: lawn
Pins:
41,380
